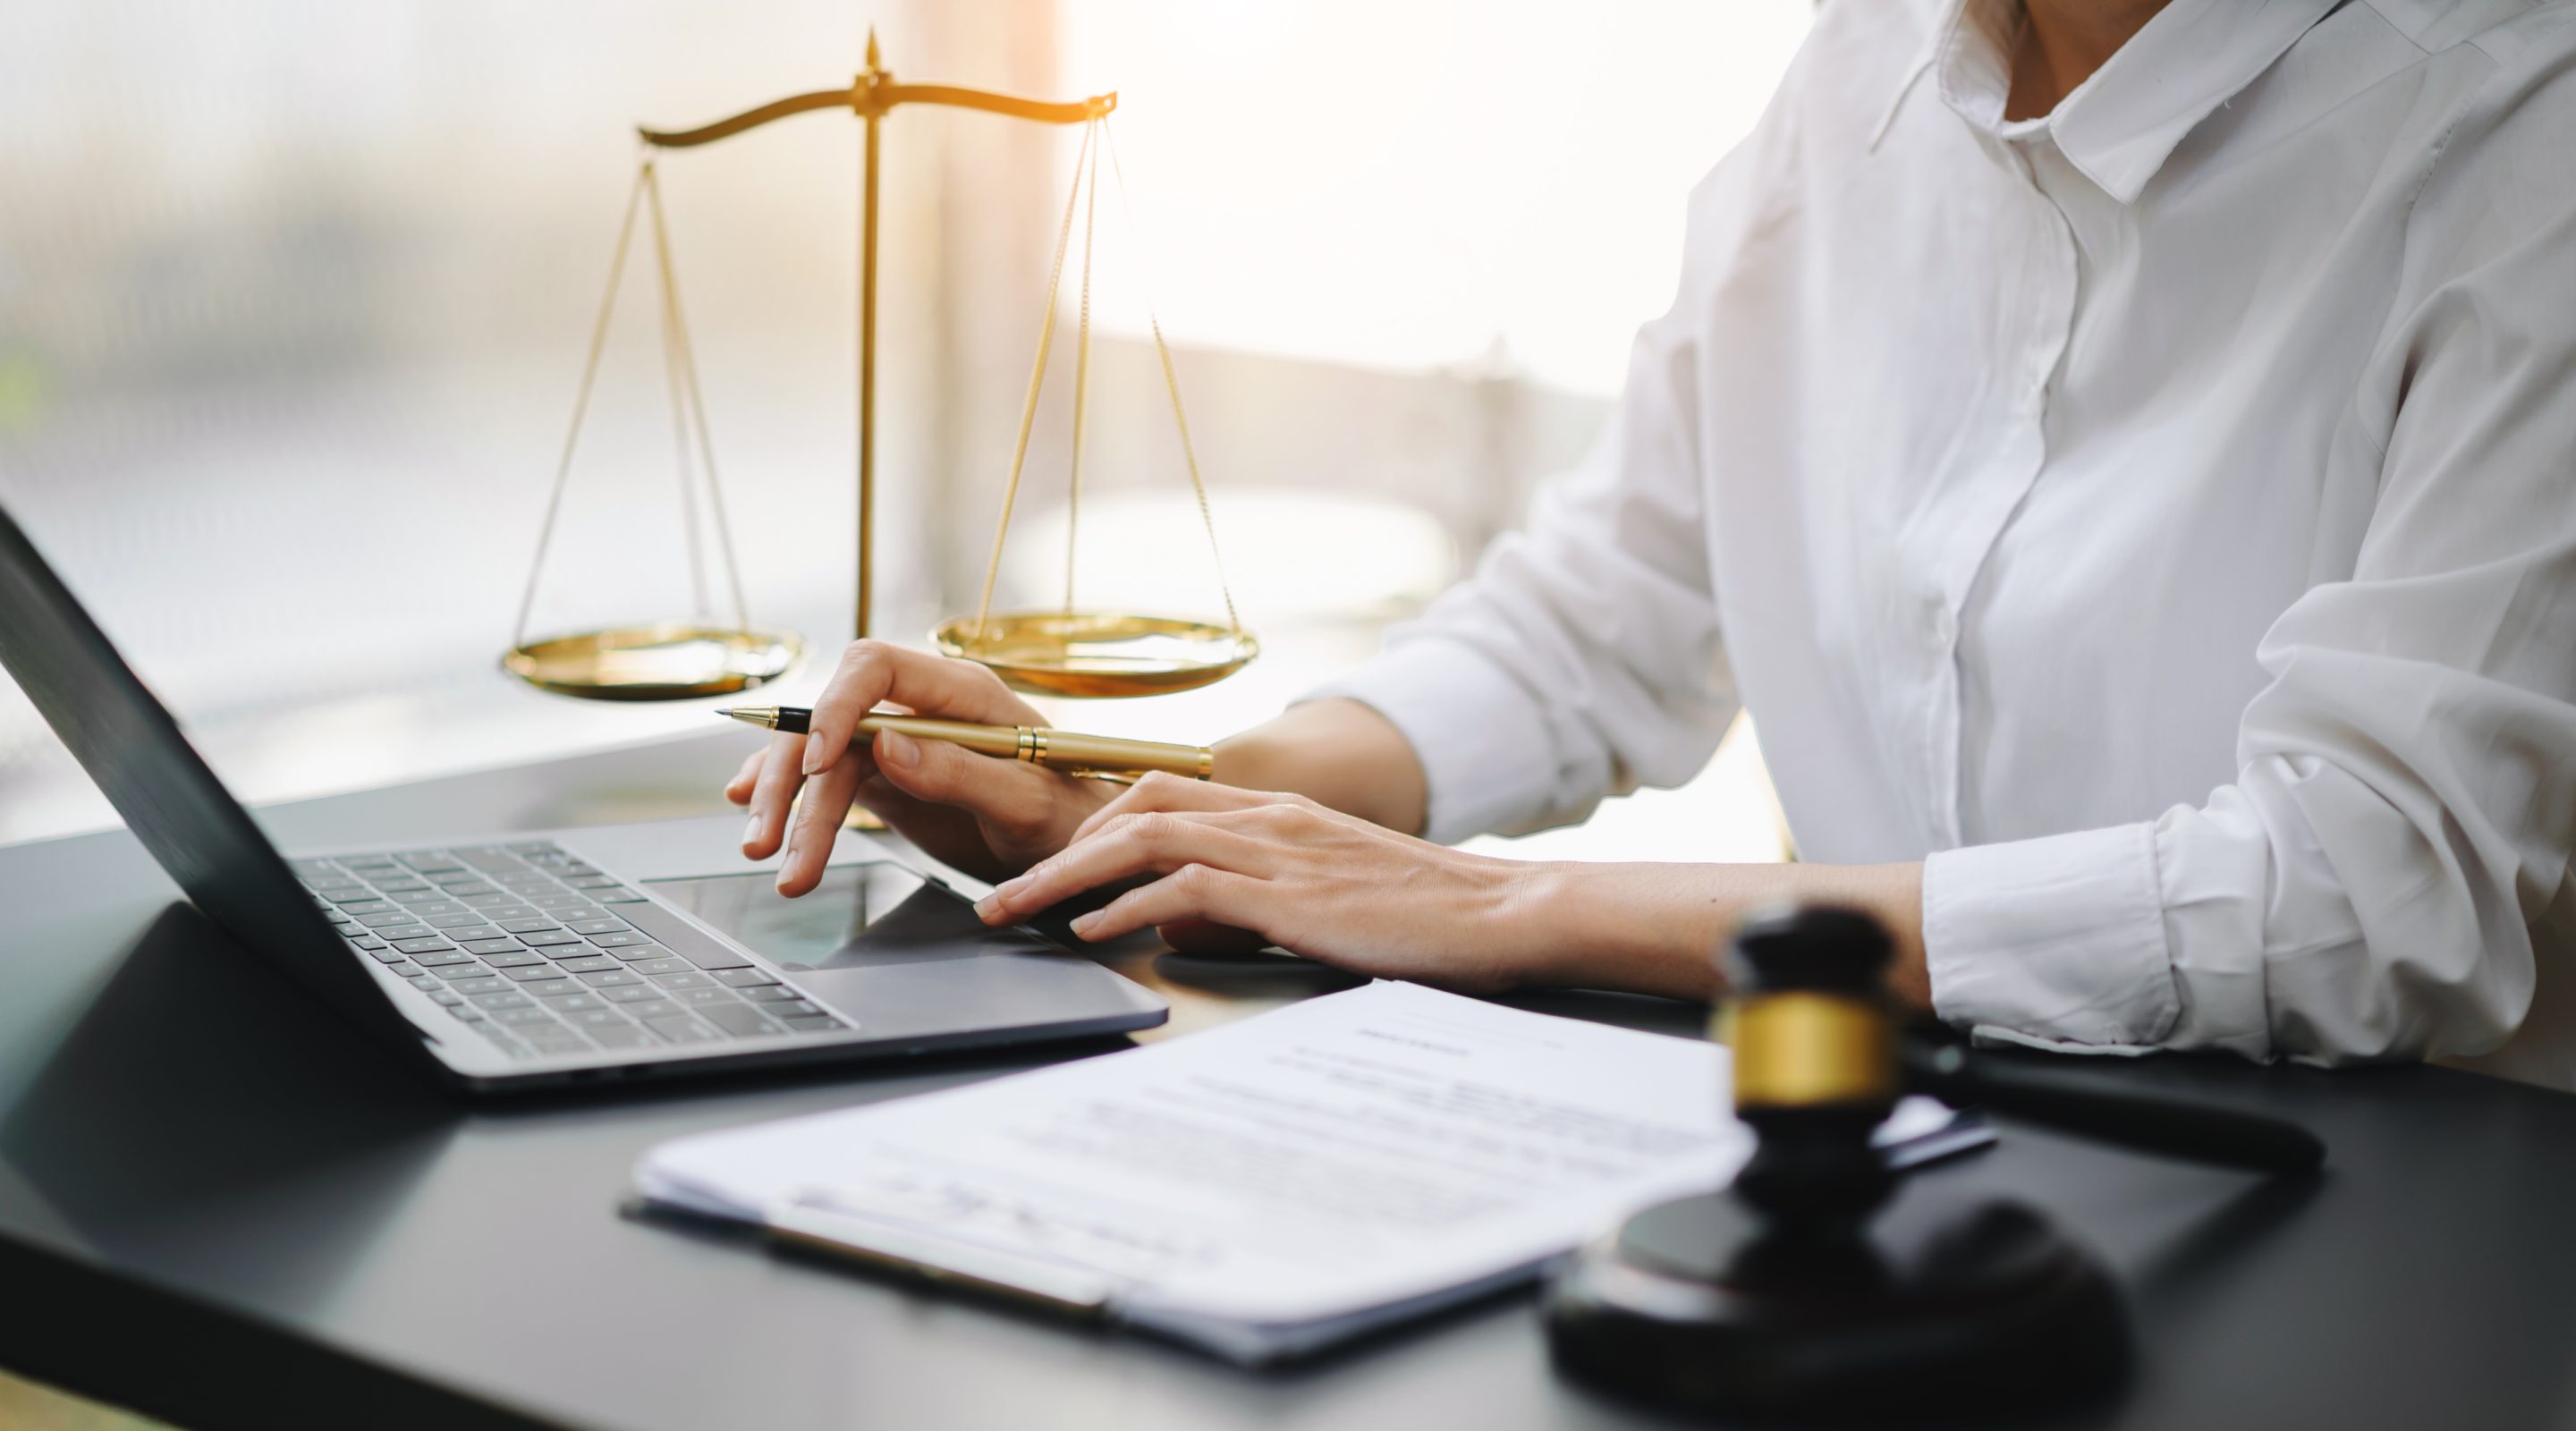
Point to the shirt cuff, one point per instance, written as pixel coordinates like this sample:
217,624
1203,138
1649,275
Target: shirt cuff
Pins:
1484,749
2058,941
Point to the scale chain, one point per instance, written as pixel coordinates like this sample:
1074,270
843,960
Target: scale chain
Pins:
581,402
1037,380
676,317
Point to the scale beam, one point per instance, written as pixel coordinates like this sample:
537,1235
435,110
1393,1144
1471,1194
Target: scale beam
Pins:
871,96
868,98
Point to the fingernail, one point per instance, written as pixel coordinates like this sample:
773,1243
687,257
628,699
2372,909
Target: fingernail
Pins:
1010,887
989,906
897,749
1087,923
813,762
751,832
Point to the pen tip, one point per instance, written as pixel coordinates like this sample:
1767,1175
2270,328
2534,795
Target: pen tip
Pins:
727,711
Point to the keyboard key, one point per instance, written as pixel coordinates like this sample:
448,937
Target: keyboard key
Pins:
404,970
388,919
381,954
455,919
792,1007
443,909
627,993
622,1036
617,938
701,997
366,904
543,937
708,954
740,1020
558,1040
423,981
603,924
468,889
491,946
512,959
417,894
429,862
555,991
590,881
745,978
452,999
561,900
506,999
689,980
682,1029
480,983
617,896
526,1016
465,1012
485,897
586,965
609,979
462,970
575,1003
771,994
535,847
648,959
815,1024
602,1017
531,972
440,958
366,941
533,924
426,944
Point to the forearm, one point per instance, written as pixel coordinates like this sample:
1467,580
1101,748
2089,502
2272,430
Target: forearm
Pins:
1657,928
1337,753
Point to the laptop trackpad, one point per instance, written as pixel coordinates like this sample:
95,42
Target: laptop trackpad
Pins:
862,916
897,952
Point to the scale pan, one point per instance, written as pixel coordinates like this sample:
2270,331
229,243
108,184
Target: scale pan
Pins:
670,662
1099,654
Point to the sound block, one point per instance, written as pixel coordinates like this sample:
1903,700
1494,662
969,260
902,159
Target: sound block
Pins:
1940,1309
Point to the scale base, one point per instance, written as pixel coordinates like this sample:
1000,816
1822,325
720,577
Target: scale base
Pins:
1944,1310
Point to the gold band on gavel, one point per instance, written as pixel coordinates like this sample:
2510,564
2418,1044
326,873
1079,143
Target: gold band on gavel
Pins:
1800,1048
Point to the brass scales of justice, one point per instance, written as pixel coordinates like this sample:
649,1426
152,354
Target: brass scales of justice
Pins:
1066,652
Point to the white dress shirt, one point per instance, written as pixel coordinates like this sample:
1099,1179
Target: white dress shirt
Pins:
2158,517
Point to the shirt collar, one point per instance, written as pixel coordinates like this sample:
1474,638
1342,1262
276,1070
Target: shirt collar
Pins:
2120,125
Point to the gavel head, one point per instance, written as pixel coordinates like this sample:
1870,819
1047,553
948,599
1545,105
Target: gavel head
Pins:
1815,1066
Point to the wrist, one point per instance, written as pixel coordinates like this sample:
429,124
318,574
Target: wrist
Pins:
1645,928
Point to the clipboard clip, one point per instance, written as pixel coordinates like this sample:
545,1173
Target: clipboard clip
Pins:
910,1251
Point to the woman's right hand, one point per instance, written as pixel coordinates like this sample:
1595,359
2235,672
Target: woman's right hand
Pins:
990,817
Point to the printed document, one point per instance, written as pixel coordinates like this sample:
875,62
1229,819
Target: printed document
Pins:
1267,1187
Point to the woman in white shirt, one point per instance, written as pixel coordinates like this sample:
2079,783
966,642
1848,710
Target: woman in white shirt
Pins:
2124,454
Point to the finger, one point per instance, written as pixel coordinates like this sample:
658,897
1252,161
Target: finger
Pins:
1189,894
1159,842
738,789
816,825
1162,790
1016,798
772,794
874,672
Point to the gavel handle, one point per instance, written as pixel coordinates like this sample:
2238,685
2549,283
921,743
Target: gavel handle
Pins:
2197,1131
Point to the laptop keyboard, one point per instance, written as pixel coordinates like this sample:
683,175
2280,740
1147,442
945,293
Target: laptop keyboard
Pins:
526,946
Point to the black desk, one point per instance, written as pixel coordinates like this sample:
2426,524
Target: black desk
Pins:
219,1208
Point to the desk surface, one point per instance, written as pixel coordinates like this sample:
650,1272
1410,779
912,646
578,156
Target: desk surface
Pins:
218,1206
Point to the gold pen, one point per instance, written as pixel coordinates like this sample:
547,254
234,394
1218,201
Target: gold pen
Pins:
1072,753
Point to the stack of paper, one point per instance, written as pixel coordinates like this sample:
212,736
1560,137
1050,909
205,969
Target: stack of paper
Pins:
1268,1188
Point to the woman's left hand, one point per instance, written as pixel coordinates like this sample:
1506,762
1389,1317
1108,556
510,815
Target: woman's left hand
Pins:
1244,868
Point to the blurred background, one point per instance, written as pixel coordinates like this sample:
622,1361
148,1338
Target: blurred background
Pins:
294,297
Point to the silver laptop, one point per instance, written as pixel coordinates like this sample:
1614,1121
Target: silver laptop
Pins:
528,960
